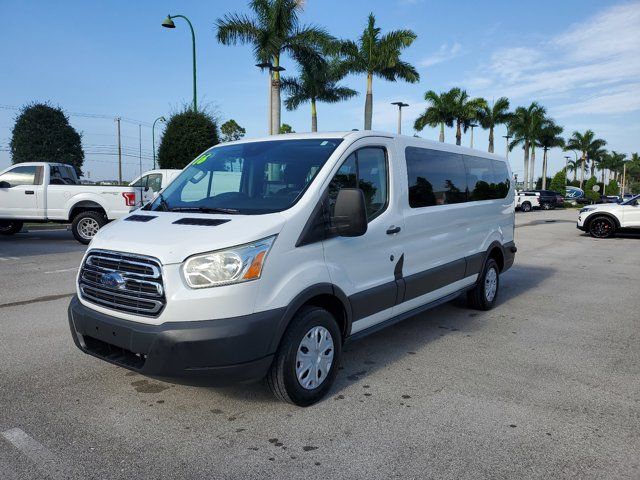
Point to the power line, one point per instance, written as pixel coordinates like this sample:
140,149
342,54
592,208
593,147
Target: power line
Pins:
89,115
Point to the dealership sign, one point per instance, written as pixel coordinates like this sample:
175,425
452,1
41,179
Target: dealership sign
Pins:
574,193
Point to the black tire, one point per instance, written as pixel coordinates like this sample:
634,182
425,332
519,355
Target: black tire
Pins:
282,379
525,207
10,227
79,225
477,297
602,227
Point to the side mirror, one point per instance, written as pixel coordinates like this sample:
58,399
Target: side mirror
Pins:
146,189
350,213
4,184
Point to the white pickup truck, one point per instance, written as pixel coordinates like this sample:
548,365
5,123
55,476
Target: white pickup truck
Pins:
51,192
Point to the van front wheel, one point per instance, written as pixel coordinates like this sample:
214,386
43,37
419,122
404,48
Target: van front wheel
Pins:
306,362
483,296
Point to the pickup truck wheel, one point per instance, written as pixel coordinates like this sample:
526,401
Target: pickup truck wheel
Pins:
601,227
306,362
9,227
86,224
483,296
525,207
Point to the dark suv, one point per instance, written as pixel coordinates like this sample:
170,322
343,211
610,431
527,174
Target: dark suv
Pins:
549,199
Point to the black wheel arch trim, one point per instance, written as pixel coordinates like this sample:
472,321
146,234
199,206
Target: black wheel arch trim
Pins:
593,216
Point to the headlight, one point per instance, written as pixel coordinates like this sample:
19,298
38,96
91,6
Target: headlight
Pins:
224,267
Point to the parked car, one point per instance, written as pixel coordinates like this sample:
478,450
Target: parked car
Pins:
151,182
604,220
609,199
263,257
549,199
51,192
527,201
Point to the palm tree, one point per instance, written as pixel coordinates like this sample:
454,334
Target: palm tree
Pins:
549,137
525,124
274,29
574,166
496,114
378,55
584,143
613,162
465,110
317,83
439,112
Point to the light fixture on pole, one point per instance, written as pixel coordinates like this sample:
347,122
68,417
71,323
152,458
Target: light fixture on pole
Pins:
153,137
507,137
472,126
400,105
168,23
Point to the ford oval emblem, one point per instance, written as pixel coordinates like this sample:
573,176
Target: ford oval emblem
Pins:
113,280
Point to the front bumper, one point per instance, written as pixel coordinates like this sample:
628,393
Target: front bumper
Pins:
208,352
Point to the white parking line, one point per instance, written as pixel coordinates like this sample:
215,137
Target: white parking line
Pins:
74,269
45,461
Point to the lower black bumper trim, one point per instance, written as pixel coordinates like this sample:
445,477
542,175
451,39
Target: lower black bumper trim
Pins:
209,352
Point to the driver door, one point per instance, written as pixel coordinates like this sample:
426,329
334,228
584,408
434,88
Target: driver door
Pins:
21,193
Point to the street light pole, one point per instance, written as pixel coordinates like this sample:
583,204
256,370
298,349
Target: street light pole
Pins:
153,137
507,137
262,66
168,23
566,172
472,126
400,105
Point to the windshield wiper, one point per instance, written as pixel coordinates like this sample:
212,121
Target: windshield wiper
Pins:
229,211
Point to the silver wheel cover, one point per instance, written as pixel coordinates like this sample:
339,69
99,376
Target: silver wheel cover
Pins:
88,227
314,358
490,284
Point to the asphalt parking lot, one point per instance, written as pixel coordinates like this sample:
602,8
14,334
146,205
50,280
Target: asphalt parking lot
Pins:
546,385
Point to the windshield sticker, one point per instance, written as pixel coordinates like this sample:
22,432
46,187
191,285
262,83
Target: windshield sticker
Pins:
201,159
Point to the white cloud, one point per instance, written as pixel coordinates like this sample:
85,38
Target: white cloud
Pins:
444,53
593,68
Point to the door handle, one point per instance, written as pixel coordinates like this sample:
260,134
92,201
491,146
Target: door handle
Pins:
29,192
392,229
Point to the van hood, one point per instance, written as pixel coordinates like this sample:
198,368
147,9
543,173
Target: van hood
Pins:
171,242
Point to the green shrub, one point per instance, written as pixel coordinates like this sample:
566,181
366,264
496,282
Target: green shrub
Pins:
186,136
589,193
559,183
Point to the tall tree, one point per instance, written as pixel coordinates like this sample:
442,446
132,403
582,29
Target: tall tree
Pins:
524,125
187,135
231,131
584,143
574,166
273,30
490,116
318,82
378,55
42,133
439,112
465,110
548,138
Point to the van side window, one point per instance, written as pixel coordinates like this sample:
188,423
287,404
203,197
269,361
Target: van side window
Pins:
488,179
365,169
435,177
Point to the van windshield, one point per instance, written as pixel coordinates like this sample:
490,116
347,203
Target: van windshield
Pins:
247,178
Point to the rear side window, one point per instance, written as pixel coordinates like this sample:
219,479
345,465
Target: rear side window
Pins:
488,179
365,169
435,177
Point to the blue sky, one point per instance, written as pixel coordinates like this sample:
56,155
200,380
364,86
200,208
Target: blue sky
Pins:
579,58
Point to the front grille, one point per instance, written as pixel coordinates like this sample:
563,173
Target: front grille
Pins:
122,281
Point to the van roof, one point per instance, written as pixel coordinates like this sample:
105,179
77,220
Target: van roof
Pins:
357,134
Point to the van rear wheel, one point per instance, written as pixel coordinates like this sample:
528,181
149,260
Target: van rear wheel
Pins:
306,362
483,296
9,227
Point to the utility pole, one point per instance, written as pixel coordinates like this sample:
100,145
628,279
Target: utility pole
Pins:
140,139
119,152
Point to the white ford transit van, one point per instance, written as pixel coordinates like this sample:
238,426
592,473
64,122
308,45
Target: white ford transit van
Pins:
264,256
